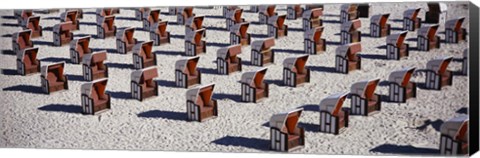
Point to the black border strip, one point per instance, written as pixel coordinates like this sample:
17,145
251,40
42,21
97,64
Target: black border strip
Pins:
473,73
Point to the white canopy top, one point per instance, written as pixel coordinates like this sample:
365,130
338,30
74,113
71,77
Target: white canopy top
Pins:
377,18
137,49
231,13
452,24
273,19
222,52
329,103
310,34
44,68
258,44
122,32
137,74
436,64
148,12
190,36
343,49
410,13
345,7
426,30
355,24
15,36
278,120
64,15
87,88
393,39
289,62
192,94
21,55
87,58
452,127
307,14
74,43
399,75
190,21
249,77
182,63
360,87
236,28
263,8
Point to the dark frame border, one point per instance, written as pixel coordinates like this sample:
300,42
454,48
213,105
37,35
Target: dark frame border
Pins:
473,67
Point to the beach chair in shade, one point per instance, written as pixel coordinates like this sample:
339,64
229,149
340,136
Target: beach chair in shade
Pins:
159,34
186,72
400,86
140,13
183,13
22,16
106,27
62,33
396,46
226,9
411,21
143,86
276,26
379,26
312,18
228,60
454,32
364,101
33,23
150,17
347,58
314,43
363,10
465,62
125,40
294,11
93,66
333,118
78,48
427,38
437,74
143,56
79,12
454,136
27,62
194,45
437,13
71,15
348,12
285,135
239,35
234,17
21,40
254,88
200,104
194,23
294,71
94,98
350,32
53,78
265,12
262,52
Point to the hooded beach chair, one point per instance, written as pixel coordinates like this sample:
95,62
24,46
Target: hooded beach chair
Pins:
437,13
350,32
143,56
454,32
253,87
265,12
71,15
454,136
364,101
427,38
186,72
100,12
347,58
294,71
465,62
27,62
79,12
294,11
78,48
62,33
33,23
411,21
348,12
239,35
285,135
226,9
143,86
234,17
314,43
183,13
194,23
312,18
22,16
262,52
53,78
21,40
140,13
159,34
125,40
94,98
400,86
333,118
200,104
150,17
228,60
379,26
106,27
438,75
194,45
276,26
396,46
93,66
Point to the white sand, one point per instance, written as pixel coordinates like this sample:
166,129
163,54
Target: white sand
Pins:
34,120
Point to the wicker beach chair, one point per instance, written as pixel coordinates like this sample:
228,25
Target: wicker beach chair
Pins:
312,18
396,46
347,58
93,66
159,34
143,85
350,32
333,118
228,60
262,52
437,73
313,42
254,89
379,26
294,71
427,38
454,136
186,73
143,56
27,62
454,32
200,104
400,86
194,45
285,135
94,98
364,101
125,40
53,78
